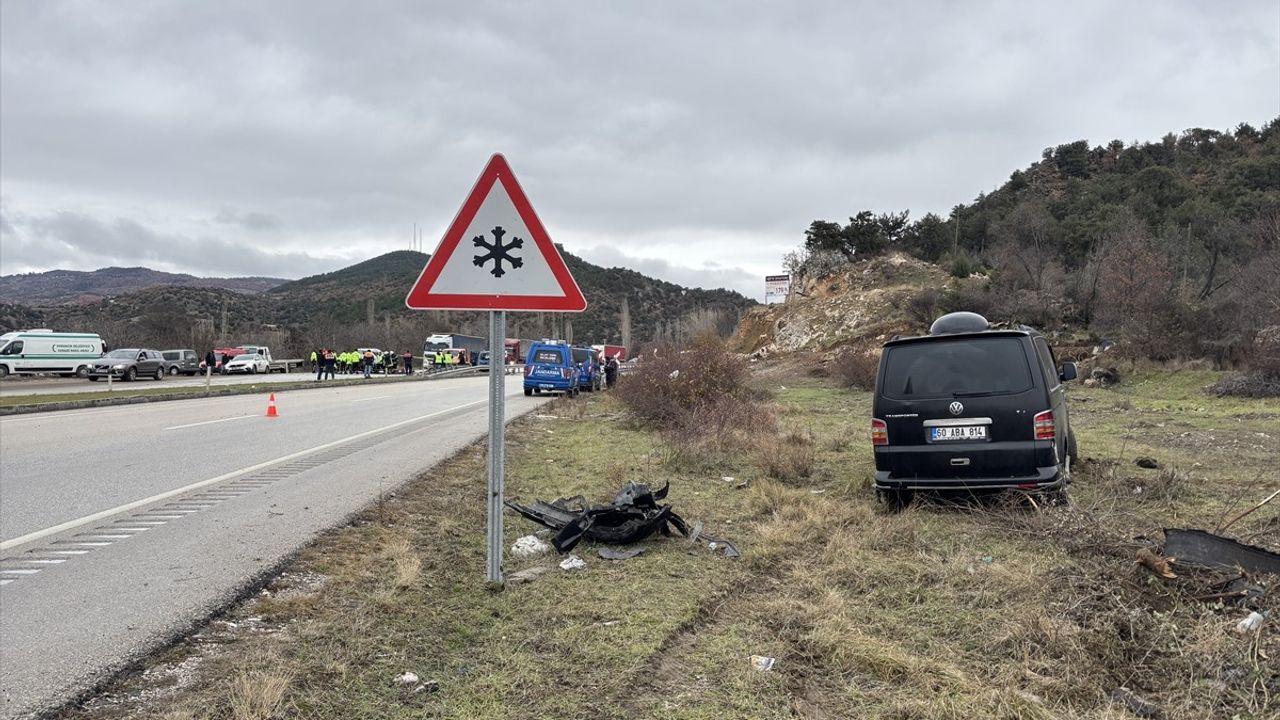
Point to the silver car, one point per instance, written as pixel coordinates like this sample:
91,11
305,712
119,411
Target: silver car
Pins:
129,364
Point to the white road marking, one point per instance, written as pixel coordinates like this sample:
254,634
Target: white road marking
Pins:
89,544
149,522
130,529
210,422
95,517
41,562
375,397
6,581
21,572
66,552
104,536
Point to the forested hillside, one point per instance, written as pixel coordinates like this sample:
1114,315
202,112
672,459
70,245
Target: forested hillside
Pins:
57,287
364,305
1172,246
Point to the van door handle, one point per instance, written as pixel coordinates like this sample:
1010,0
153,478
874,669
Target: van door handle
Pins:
959,461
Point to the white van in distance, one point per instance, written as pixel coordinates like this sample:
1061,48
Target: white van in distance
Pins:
45,351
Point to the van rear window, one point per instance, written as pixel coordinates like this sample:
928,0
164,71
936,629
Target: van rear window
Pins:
549,356
956,367
581,355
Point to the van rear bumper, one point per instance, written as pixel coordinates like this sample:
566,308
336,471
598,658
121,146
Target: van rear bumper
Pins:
1046,478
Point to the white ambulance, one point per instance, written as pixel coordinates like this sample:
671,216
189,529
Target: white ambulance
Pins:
46,351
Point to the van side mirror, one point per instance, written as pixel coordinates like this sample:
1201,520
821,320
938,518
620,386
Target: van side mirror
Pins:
1068,371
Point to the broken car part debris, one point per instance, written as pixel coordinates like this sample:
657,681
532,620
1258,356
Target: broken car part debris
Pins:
634,514
1204,549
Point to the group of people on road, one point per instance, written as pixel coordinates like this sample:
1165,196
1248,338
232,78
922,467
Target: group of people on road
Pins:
443,359
328,362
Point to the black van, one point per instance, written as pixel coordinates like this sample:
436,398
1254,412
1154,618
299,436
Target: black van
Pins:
967,407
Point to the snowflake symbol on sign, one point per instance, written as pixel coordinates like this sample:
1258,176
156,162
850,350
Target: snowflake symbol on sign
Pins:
498,251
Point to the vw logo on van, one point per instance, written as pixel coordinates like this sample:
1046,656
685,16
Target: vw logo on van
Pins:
956,408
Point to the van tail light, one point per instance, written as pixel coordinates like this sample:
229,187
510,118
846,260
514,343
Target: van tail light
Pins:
528,370
568,373
1043,424
879,432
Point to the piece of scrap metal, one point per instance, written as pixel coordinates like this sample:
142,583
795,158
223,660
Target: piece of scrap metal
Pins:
1198,547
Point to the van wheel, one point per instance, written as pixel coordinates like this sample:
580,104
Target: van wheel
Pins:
4,371
82,372
1072,452
528,392
895,501
173,370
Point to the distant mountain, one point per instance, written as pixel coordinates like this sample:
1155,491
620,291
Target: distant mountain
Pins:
656,306
364,305
60,287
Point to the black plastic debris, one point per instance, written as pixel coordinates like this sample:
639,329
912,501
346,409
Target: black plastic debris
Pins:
633,515
1197,547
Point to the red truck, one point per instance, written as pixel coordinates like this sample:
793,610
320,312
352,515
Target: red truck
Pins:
611,351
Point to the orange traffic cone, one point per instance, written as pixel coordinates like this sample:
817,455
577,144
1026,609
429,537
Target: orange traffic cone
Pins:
271,406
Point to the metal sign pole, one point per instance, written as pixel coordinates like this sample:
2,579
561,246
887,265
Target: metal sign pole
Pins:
497,445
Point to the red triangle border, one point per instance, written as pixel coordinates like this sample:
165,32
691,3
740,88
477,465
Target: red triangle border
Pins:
420,296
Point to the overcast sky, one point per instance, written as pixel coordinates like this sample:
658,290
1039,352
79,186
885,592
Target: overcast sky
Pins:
691,141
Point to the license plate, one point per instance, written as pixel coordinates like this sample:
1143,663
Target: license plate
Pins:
958,432
546,387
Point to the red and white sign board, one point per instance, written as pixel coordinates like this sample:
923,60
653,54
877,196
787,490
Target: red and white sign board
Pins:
496,256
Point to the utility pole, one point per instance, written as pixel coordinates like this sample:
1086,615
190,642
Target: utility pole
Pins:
368,310
568,331
222,338
625,322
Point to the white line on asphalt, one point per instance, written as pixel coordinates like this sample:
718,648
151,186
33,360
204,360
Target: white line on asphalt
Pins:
103,536
40,562
66,552
70,524
375,397
20,572
210,422
6,581
90,544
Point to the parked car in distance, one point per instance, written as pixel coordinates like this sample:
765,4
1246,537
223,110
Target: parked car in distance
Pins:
973,409
129,364
590,373
45,351
549,367
184,362
248,363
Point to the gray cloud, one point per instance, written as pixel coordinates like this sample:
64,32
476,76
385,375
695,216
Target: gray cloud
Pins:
77,241
248,220
709,276
326,130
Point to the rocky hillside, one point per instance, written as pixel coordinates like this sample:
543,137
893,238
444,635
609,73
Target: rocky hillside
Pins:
60,287
863,304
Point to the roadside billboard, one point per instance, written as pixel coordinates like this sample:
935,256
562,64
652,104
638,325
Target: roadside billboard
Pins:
776,288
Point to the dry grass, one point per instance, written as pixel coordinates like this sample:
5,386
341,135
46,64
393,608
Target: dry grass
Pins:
257,695
974,609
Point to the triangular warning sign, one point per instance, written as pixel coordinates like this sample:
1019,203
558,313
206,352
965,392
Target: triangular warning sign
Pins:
496,256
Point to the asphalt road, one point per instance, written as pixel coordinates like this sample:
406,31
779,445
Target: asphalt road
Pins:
120,527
